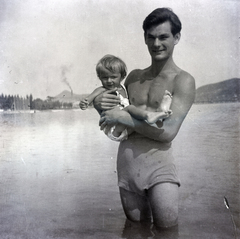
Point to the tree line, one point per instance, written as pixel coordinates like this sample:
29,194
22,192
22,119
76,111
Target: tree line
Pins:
16,102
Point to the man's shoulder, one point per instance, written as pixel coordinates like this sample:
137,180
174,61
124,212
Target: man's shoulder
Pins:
184,80
136,72
134,75
184,76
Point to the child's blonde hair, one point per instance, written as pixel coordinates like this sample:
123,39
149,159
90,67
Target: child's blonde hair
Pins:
113,64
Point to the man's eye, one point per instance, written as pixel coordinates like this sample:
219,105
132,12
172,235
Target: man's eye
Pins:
163,38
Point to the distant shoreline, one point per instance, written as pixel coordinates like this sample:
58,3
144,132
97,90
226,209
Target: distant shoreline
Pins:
223,102
35,111
75,109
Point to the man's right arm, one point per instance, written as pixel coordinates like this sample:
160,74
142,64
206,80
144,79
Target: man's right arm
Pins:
106,101
95,93
89,99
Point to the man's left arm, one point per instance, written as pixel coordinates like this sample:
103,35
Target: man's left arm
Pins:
183,98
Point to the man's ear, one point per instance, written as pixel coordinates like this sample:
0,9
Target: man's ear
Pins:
177,38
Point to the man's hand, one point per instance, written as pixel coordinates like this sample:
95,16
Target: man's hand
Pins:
106,101
110,117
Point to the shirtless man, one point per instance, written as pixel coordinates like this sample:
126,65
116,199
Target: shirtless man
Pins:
147,175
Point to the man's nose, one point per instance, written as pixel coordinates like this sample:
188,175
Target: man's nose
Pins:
156,42
109,79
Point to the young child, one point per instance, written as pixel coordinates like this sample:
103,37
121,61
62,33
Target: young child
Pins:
111,71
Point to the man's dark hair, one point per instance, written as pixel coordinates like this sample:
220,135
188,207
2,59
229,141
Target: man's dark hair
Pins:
161,15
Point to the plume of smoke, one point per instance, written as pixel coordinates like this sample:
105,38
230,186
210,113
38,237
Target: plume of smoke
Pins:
64,70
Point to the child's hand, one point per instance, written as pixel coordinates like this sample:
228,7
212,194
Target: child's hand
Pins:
84,104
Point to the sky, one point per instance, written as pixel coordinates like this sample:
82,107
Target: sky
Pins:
47,46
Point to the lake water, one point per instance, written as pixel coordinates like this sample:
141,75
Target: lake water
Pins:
58,177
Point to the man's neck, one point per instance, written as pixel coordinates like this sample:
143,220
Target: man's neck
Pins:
159,66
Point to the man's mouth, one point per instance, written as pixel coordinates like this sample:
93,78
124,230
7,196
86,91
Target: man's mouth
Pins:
158,51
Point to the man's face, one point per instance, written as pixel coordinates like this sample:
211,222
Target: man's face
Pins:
160,41
109,79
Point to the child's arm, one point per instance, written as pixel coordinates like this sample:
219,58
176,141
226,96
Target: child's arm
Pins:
89,99
149,116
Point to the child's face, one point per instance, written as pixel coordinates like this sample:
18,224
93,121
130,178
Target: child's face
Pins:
109,79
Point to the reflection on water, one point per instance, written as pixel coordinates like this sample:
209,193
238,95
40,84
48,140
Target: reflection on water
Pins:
133,230
58,176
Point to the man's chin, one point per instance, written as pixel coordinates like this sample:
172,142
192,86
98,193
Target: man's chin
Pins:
159,57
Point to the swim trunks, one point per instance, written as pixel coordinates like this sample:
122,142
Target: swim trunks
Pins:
143,163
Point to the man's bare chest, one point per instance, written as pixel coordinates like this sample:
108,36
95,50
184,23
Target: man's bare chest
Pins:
149,93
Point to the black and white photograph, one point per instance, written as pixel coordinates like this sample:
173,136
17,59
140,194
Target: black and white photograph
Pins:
119,119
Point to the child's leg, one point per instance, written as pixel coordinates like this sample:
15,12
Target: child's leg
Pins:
148,116
119,128
166,102
137,113
118,132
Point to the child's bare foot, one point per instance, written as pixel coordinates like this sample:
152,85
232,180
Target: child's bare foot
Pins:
153,117
166,102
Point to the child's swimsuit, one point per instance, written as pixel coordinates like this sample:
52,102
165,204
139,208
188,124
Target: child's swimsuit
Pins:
143,163
124,102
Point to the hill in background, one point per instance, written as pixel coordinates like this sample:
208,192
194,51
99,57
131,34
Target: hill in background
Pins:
68,97
225,91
